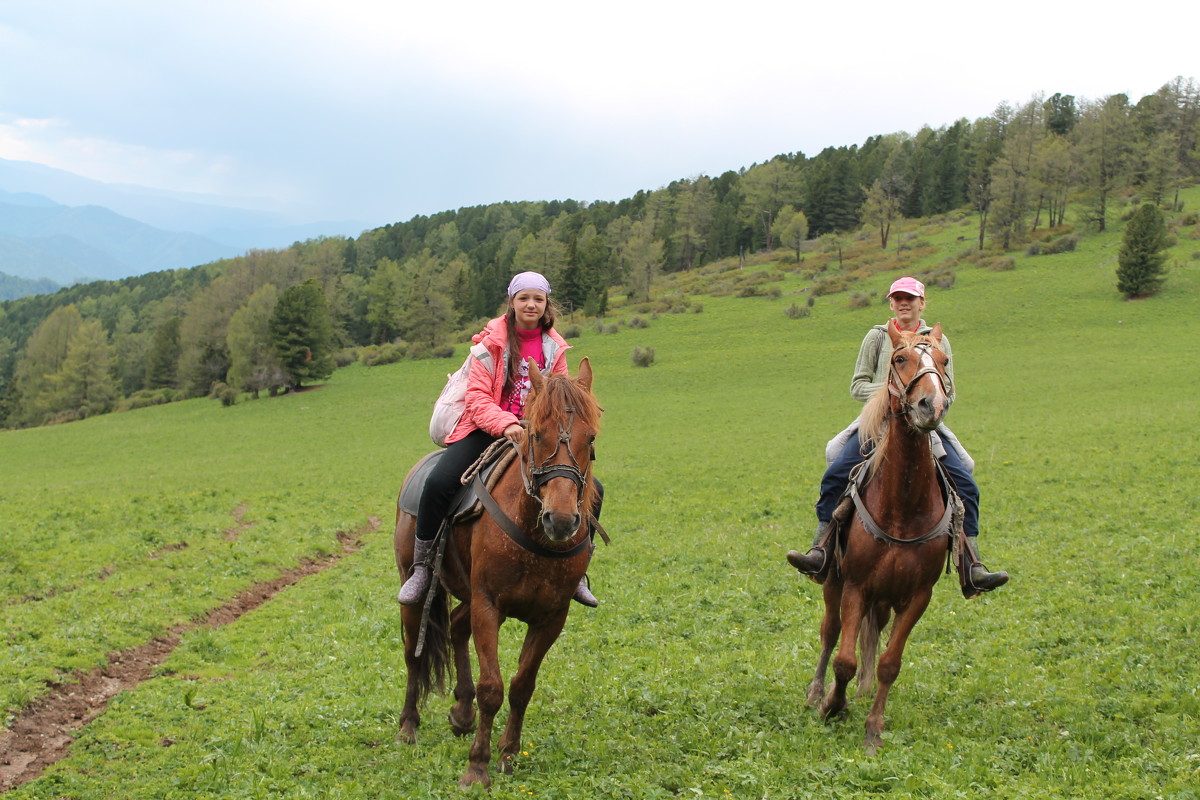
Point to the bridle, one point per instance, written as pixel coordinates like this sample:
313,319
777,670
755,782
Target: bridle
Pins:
900,389
537,476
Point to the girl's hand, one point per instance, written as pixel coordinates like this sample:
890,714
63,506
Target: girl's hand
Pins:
514,433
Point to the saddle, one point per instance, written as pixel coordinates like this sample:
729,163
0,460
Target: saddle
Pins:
465,504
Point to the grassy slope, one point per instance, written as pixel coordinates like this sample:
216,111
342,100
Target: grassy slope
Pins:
1077,680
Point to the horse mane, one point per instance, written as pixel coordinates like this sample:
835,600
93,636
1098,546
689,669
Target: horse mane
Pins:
549,405
873,422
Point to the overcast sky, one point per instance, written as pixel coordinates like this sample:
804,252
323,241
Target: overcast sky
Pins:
376,111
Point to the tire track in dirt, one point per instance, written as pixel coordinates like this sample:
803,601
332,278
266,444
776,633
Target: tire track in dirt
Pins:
44,731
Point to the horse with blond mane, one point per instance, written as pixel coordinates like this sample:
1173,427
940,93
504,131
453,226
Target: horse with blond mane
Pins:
895,545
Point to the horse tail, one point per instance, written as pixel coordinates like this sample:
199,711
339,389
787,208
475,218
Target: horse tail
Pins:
432,666
869,633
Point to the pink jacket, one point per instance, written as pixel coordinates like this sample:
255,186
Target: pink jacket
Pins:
484,388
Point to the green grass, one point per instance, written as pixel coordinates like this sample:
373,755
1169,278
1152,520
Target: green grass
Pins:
1076,680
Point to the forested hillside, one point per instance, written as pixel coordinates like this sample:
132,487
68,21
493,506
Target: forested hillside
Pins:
406,289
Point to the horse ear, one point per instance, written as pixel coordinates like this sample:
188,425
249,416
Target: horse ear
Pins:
936,333
893,334
536,381
584,376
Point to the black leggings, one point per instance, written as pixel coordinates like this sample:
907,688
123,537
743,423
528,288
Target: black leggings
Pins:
445,479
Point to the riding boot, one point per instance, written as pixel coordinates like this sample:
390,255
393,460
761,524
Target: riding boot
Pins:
813,562
979,577
418,581
583,594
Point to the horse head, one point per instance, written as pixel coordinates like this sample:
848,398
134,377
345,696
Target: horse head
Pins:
563,419
917,378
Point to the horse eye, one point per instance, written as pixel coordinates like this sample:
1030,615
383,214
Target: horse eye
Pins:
899,359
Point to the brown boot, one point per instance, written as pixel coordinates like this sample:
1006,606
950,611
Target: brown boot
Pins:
978,576
814,561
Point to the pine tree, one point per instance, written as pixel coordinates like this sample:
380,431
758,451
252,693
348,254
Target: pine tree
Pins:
302,332
1140,262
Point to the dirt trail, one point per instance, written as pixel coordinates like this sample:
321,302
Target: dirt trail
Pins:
43,732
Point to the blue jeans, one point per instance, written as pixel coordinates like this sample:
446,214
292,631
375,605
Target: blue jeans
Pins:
837,478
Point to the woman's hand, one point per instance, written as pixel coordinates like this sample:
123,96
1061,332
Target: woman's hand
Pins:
514,433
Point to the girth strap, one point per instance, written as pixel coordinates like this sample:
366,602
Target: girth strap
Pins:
515,532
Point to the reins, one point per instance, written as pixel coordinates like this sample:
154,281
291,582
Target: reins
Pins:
534,476
899,389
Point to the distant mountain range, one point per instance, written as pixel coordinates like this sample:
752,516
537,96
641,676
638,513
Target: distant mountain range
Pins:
60,227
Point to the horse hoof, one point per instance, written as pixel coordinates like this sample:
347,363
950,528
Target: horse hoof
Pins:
815,694
831,711
872,744
475,777
407,733
462,728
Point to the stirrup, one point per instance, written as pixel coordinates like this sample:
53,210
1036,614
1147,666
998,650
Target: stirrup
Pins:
802,563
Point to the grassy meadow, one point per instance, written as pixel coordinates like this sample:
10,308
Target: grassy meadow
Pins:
1078,679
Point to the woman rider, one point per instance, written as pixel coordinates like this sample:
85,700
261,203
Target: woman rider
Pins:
906,297
494,406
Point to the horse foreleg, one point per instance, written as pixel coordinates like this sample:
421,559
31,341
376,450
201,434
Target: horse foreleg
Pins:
462,713
846,663
485,629
410,717
831,628
889,666
538,641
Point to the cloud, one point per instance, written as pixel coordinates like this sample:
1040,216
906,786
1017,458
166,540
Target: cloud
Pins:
381,110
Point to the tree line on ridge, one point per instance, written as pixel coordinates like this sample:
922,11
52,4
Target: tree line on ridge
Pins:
272,319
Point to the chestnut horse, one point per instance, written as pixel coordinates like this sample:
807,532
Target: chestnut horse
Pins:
547,492
893,568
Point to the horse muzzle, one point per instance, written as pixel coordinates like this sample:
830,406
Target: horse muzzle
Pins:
928,412
560,527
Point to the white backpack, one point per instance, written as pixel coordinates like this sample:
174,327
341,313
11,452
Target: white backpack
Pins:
448,409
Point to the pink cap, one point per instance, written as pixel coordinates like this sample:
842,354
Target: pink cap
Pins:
908,286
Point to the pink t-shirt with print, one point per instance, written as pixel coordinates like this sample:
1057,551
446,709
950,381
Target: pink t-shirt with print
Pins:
531,347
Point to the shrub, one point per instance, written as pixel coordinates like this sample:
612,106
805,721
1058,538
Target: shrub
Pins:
345,357
443,351
225,393
795,311
860,300
571,332
1063,244
831,285
998,263
642,357
144,398
638,322
377,355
